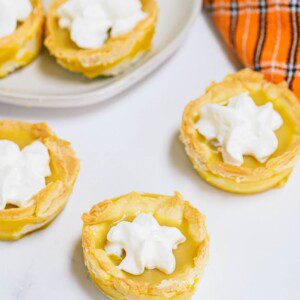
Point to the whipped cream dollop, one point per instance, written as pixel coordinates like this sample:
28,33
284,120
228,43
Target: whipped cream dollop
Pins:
241,128
90,22
146,245
22,172
12,12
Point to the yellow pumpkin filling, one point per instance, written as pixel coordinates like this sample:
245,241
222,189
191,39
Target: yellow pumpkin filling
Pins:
22,137
284,134
252,176
172,211
113,57
184,254
21,47
16,222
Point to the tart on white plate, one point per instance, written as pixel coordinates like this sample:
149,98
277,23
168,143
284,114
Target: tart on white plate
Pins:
243,134
21,31
145,246
37,174
100,37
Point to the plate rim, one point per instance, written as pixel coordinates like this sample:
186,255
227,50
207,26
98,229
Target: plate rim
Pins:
97,96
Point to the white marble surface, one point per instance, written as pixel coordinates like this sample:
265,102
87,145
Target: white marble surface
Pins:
131,143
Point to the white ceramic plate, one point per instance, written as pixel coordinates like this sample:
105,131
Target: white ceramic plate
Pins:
46,84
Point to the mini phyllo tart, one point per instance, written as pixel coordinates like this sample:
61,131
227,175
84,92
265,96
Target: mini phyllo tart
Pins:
37,174
145,246
100,37
243,134
21,30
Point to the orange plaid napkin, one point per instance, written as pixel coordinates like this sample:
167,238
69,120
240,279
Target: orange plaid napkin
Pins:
265,35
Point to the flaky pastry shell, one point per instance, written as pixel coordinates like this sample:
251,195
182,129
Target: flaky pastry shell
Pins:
250,177
21,47
113,57
15,222
169,211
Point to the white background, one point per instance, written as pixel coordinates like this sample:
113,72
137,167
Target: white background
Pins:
131,143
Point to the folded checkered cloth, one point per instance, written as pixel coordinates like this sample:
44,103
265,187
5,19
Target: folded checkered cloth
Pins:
265,34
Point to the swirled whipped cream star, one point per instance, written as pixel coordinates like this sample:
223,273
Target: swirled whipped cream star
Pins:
241,128
12,12
147,245
91,22
22,172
